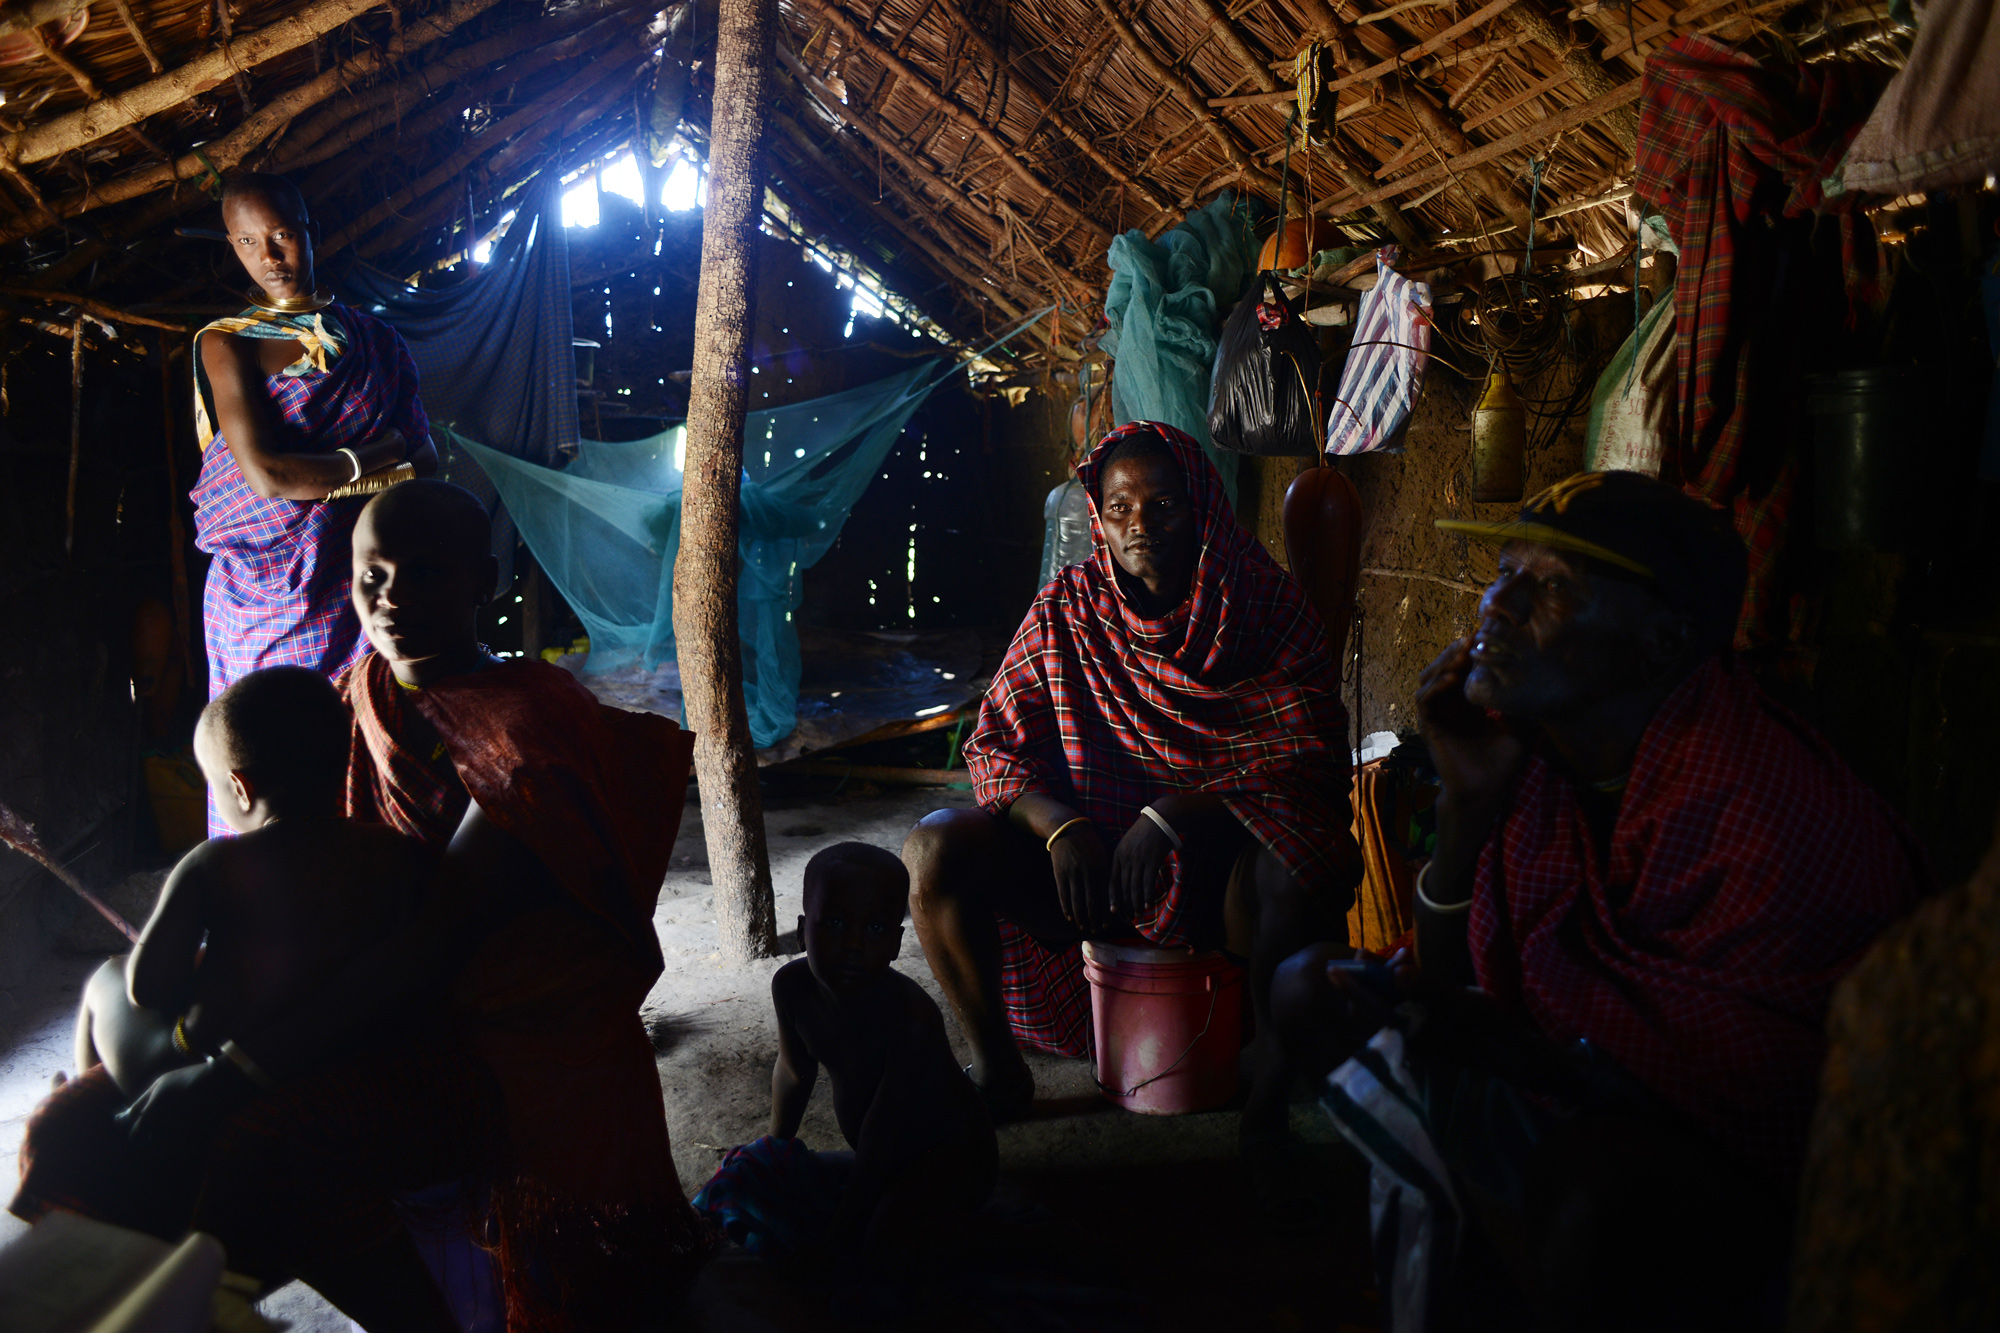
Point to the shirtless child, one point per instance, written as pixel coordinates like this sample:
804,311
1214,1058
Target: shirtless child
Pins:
282,906
924,1151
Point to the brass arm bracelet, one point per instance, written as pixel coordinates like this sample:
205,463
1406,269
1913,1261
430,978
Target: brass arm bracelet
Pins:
1050,845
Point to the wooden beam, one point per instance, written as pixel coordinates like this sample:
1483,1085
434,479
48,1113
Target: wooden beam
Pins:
910,79
138,35
1044,110
1546,129
231,148
128,106
952,264
705,574
109,314
84,83
1530,19
889,145
1436,41
1498,110
1443,130
507,139
1191,97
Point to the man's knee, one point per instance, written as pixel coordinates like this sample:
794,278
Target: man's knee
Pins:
105,991
1301,995
941,847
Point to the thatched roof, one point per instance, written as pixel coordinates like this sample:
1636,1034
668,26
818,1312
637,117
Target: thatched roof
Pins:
992,147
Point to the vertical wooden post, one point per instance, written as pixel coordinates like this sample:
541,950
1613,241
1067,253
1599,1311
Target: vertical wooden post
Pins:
75,433
705,620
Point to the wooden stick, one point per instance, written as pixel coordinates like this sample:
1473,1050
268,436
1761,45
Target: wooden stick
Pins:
125,16
1437,40
110,314
911,80
1621,37
84,82
129,105
705,576
231,148
528,126
75,434
1589,72
1554,81
1554,125
1616,195
916,168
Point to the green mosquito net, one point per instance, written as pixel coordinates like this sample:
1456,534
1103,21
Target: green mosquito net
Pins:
606,528
1164,307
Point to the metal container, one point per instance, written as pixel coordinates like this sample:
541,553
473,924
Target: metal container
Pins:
1499,442
1860,458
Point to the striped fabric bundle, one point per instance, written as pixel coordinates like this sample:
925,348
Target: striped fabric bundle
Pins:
1385,366
1414,1212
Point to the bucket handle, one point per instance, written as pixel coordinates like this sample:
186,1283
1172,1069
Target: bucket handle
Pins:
1214,994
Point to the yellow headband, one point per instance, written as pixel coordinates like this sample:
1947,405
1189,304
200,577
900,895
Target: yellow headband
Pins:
1499,534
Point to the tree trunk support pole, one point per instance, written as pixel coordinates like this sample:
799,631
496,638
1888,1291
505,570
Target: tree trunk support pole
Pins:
705,615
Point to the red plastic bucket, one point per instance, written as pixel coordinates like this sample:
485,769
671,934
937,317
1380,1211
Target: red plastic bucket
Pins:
1169,1026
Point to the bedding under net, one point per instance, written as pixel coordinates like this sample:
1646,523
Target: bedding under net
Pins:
607,527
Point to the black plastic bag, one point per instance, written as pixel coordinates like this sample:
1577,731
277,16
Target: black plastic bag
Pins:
1263,396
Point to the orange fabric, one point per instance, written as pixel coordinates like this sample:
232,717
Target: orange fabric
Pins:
1384,912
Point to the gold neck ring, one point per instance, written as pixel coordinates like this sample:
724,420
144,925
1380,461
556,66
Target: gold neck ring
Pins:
292,305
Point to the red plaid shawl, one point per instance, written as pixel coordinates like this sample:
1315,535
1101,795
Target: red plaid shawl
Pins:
1233,692
1724,144
552,998
1749,871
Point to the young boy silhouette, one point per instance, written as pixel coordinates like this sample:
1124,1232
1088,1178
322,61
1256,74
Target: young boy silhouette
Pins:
248,927
924,1154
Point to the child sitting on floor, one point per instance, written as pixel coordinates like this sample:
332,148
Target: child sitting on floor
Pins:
282,907
924,1152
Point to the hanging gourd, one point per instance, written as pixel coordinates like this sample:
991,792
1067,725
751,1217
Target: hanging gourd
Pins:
1499,441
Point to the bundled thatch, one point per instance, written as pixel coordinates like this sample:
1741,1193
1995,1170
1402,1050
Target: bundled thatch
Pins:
985,148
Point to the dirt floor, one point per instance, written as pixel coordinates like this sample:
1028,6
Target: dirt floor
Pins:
1103,1219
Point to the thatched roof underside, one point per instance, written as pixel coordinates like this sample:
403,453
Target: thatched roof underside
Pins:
984,151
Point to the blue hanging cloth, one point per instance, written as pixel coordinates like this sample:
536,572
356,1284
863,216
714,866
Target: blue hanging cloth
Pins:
607,528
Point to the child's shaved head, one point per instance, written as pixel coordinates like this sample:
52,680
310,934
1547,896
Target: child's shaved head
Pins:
287,728
437,508
423,566
859,864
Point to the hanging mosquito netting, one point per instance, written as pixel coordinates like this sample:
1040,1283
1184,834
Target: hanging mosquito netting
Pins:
606,528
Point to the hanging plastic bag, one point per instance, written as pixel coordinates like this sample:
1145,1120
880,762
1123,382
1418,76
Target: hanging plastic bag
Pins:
1261,396
1385,362
1632,407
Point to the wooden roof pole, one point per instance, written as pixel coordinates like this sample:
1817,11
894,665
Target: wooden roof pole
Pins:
1041,107
1548,128
525,54
138,35
1529,19
890,146
1191,97
1442,129
128,106
705,574
909,78
513,136
232,147
538,43
1260,73
950,264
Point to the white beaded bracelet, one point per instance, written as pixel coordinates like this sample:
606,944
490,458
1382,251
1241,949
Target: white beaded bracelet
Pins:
1166,828
1442,909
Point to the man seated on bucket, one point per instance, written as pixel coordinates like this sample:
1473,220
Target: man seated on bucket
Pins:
1161,756
1655,874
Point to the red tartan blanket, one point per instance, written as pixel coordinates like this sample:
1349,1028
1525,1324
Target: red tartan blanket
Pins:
552,998
1748,872
1234,692
1725,145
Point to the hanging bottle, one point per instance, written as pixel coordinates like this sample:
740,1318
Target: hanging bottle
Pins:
1499,441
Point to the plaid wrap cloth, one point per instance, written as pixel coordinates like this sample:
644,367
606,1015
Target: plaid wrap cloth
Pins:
277,591
1232,692
1724,146
1749,870
587,1196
